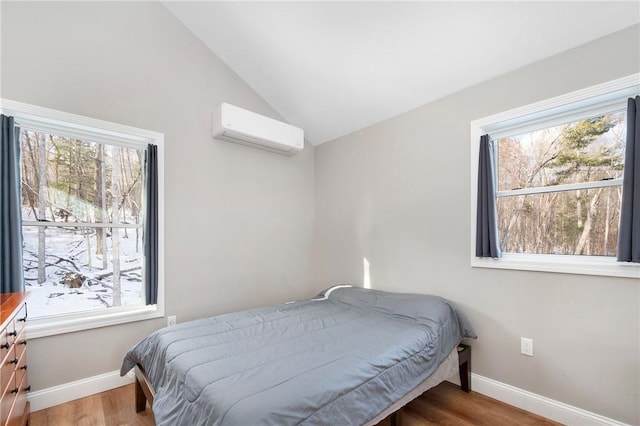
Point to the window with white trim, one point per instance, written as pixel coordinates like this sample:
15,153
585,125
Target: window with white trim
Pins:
558,172
83,218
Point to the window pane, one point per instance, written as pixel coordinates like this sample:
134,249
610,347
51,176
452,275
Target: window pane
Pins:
582,151
581,222
73,275
68,180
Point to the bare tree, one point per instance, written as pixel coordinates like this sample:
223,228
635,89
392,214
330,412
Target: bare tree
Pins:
588,223
42,208
115,234
101,204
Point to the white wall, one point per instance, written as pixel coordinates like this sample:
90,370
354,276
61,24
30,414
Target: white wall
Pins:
397,193
239,221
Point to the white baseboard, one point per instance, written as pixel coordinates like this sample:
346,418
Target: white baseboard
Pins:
45,398
543,406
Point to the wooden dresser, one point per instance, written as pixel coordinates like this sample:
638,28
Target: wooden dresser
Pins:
14,407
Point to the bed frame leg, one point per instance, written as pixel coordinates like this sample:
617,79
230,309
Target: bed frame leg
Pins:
141,399
144,390
393,419
464,357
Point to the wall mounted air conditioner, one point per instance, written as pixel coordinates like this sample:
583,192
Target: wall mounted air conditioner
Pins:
238,125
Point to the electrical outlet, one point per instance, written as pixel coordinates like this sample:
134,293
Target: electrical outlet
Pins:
171,320
526,346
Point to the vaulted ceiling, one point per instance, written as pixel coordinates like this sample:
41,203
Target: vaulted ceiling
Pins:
333,68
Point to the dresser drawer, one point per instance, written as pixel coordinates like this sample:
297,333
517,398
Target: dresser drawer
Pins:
21,355
7,370
20,319
4,344
16,413
8,399
10,333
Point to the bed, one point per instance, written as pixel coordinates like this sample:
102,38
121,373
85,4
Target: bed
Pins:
349,356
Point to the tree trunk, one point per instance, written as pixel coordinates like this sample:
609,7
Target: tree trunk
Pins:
579,209
30,173
87,234
584,238
115,232
550,239
101,203
123,184
42,208
137,207
605,252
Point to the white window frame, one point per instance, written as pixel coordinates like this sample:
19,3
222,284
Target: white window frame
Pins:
77,126
608,96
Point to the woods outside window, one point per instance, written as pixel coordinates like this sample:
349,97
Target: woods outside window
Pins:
560,187
82,222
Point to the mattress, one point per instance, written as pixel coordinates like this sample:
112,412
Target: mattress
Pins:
344,358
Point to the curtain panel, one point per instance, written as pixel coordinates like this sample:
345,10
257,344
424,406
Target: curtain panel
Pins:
629,232
487,241
151,225
11,269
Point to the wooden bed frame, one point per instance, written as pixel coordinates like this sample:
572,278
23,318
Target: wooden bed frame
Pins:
145,391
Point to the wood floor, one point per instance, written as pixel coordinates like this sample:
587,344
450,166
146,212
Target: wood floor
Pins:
445,404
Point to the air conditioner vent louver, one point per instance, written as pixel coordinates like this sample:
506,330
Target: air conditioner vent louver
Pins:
238,125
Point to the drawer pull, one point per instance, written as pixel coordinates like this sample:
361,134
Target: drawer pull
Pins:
12,333
24,367
24,342
14,390
5,346
14,361
22,319
27,389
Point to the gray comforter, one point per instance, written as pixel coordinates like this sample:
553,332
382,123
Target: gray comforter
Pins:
338,360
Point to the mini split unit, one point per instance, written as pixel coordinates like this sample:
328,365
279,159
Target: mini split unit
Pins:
238,125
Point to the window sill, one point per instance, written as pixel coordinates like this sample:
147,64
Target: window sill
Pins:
61,324
582,265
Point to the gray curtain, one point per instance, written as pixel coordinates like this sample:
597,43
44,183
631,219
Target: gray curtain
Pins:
151,225
11,272
629,233
487,241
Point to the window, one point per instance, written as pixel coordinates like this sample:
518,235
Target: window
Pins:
82,224
559,167
560,188
83,219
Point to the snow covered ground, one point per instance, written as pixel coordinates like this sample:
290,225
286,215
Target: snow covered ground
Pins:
67,251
